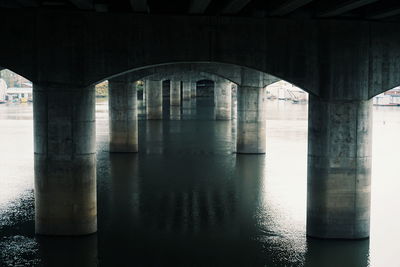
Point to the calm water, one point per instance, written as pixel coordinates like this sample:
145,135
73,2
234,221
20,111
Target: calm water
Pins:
186,200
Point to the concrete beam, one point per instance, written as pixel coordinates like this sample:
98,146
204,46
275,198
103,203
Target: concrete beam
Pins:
83,4
29,3
288,7
185,76
385,14
139,6
101,7
234,6
236,74
198,6
345,7
9,4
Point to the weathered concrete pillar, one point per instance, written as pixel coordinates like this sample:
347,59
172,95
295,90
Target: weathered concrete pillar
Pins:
144,93
186,90
339,168
193,86
123,116
65,160
223,100
175,93
175,113
251,135
154,99
234,117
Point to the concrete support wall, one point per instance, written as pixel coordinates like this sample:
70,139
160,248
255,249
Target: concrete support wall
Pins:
123,116
175,95
223,100
251,135
193,86
186,90
339,168
154,99
65,160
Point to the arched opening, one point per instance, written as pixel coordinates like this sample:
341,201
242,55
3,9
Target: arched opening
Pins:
205,88
189,162
169,191
17,169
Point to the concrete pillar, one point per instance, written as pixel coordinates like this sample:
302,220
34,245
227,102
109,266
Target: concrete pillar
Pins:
223,100
154,99
193,89
65,160
175,93
144,94
186,90
339,168
175,113
234,117
123,116
251,135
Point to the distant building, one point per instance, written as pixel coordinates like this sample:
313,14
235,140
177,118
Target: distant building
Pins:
23,94
3,89
388,98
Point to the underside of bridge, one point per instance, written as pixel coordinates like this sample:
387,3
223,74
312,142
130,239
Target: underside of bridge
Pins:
341,52
388,10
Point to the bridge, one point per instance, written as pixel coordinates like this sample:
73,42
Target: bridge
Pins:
341,52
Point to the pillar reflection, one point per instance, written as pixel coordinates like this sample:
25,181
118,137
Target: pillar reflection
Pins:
187,109
154,137
124,189
332,253
249,182
68,251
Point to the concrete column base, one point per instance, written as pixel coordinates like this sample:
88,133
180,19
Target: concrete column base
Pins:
123,116
251,134
154,100
339,168
65,160
223,100
186,90
193,90
234,117
175,93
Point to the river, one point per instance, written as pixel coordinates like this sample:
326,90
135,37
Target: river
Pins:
186,200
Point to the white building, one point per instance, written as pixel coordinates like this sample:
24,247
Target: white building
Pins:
3,89
21,93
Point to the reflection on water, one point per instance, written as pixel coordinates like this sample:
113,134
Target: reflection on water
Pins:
67,251
333,253
186,199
